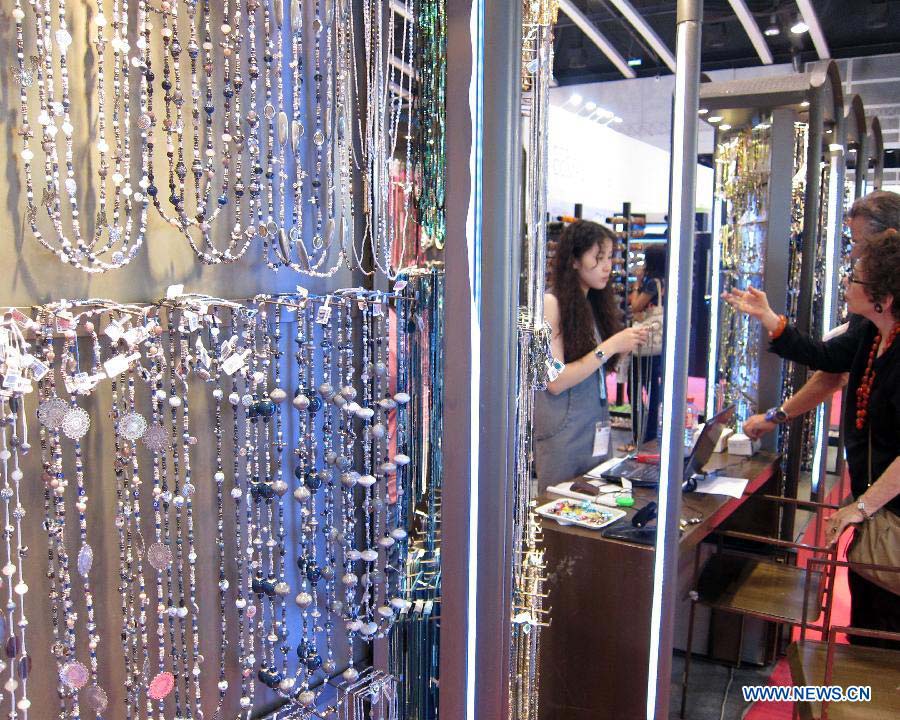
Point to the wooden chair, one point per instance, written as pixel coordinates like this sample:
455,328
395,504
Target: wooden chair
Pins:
829,663
755,585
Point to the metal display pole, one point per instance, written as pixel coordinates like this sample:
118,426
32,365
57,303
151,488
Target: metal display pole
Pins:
482,261
679,279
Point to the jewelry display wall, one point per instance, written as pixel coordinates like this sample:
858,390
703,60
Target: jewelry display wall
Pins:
415,641
267,127
260,584
743,167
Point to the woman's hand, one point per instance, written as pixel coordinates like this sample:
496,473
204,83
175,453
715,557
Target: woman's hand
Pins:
840,521
756,426
627,340
754,303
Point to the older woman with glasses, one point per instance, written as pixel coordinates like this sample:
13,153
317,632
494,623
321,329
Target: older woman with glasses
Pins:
870,352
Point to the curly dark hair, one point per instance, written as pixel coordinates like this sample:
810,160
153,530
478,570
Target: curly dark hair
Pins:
579,314
880,261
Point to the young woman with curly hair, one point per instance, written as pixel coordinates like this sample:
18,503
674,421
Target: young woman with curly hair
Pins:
870,352
587,334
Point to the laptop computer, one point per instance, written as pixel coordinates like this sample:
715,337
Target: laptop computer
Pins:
646,475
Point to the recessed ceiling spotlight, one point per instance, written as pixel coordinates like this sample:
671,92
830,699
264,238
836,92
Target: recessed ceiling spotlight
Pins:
799,27
617,119
714,118
805,103
575,99
702,111
590,106
724,126
773,28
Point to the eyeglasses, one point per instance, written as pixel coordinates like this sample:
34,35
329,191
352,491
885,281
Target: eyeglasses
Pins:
851,277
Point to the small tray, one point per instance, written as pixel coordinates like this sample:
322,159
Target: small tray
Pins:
583,513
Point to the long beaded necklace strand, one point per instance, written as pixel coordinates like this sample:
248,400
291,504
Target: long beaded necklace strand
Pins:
12,445
71,247
50,413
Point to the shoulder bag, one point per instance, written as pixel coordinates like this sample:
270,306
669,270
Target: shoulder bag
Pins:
877,542
652,321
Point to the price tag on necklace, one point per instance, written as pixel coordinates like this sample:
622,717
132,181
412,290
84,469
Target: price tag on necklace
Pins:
118,364
377,310
114,331
193,320
235,362
324,313
202,353
38,369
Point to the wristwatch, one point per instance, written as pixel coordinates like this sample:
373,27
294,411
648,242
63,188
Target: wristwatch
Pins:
861,506
777,415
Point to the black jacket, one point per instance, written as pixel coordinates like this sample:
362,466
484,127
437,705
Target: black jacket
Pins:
850,353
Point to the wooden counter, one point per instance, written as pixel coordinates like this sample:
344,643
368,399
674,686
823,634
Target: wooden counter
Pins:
594,656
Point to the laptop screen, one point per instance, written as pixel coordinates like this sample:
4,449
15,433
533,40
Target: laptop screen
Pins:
706,443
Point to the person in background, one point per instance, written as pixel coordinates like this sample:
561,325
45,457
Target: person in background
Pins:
648,292
870,353
869,215
586,334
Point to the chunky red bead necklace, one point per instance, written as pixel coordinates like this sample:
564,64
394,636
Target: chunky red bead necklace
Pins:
865,387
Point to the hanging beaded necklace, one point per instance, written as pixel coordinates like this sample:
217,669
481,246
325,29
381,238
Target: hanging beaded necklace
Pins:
60,194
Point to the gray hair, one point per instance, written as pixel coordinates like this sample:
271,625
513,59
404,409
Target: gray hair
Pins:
880,210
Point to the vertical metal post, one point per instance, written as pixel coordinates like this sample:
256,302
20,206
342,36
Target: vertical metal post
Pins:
482,261
678,319
498,311
455,656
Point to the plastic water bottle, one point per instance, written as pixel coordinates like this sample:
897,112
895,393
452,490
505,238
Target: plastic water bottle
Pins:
690,423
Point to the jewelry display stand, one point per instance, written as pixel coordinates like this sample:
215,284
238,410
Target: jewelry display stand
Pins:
776,221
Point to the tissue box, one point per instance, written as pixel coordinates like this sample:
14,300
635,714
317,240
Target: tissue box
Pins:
740,444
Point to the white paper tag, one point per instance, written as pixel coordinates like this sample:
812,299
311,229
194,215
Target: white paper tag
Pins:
116,365
399,285
193,320
601,439
174,291
114,331
235,362
324,314
38,370
376,310
202,353
11,380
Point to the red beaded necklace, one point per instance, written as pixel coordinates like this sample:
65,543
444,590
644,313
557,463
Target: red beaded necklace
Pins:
865,386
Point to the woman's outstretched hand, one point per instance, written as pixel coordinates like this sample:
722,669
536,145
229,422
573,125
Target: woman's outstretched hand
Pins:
754,303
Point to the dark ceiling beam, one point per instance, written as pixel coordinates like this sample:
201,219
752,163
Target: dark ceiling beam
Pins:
596,37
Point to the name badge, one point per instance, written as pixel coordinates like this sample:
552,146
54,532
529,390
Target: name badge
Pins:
601,439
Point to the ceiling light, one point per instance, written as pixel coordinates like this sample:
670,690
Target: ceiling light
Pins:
714,118
702,111
773,29
617,119
799,27
805,103
634,62
724,126
590,106
575,99
605,114
762,126
836,147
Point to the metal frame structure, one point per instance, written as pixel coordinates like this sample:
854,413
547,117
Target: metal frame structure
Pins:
483,206
682,200
855,141
875,151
